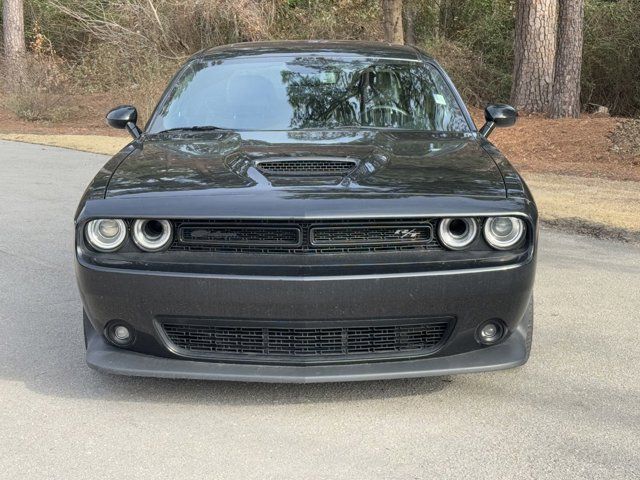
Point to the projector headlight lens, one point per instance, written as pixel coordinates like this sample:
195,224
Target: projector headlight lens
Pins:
106,234
503,233
152,235
457,233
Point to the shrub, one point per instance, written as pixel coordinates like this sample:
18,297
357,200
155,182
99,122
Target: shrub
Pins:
477,80
39,91
328,19
121,44
611,57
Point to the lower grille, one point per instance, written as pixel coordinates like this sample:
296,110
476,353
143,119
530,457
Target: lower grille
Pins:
305,344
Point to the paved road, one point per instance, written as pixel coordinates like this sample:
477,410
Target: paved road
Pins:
572,412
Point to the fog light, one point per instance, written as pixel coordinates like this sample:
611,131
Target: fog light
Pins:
119,334
490,332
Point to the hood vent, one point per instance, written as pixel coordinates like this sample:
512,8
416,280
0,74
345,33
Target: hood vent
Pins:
306,166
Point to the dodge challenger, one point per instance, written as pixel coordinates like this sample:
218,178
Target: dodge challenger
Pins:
307,212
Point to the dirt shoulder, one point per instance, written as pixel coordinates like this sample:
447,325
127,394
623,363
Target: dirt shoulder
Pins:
85,116
589,146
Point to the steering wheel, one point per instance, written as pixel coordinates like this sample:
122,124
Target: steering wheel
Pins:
390,107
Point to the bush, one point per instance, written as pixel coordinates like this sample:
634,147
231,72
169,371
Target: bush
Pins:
476,46
477,80
328,19
132,46
39,91
611,57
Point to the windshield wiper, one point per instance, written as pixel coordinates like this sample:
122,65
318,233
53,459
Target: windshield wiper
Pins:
195,128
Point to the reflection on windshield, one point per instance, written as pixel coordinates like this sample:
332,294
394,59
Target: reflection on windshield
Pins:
310,92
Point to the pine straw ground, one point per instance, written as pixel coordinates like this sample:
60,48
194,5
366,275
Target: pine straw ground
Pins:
584,173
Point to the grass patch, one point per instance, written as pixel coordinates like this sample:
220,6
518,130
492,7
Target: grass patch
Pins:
610,203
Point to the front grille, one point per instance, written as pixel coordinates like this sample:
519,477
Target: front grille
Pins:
304,237
306,167
307,343
234,235
371,235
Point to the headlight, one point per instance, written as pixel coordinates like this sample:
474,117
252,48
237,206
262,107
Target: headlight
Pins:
457,233
152,235
503,233
106,234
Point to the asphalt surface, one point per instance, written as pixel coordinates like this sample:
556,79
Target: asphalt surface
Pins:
572,412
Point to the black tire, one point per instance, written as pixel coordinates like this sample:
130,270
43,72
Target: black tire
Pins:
529,319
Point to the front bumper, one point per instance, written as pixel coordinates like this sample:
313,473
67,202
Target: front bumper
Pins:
470,296
109,359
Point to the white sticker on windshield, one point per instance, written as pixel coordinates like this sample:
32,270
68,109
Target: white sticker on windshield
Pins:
439,99
328,77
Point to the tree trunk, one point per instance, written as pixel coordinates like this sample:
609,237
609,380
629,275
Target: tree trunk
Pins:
392,20
535,48
410,13
14,46
565,100
441,15
435,11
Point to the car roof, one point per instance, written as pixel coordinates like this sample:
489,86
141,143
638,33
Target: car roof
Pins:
314,47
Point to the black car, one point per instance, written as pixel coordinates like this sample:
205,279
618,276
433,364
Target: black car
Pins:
307,212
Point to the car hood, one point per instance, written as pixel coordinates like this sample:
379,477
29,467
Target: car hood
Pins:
228,163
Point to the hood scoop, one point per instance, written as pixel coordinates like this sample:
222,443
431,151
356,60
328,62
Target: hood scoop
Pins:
306,166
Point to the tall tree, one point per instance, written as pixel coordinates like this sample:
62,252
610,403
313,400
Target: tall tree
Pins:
535,48
392,21
410,13
565,100
14,45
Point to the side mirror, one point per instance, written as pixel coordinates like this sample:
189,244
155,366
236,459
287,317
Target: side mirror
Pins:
124,117
498,115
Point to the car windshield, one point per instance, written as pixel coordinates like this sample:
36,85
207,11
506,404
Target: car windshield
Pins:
309,92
